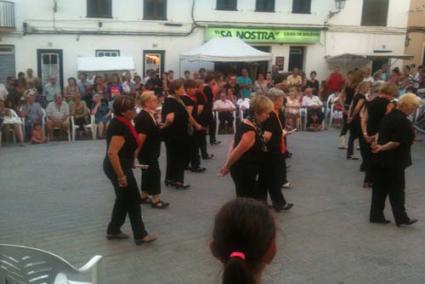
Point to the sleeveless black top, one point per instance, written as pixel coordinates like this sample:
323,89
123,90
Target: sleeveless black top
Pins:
255,153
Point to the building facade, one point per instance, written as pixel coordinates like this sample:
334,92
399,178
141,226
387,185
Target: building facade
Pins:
415,41
49,35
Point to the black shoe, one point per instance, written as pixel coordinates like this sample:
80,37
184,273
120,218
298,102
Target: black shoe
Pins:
209,157
198,170
287,206
119,236
215,143
169,183
384,222
407,223
181,185
160,205
352,158
145,240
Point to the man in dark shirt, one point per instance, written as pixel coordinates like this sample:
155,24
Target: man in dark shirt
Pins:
391,158
190,101
209,116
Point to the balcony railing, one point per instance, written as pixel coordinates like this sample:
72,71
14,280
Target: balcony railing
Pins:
7,16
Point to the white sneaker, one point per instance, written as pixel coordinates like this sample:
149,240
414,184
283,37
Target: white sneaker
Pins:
287,185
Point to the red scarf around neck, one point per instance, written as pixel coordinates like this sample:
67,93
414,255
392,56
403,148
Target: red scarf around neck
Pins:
130,127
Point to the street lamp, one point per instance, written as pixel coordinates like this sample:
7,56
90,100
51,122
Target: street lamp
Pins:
340,4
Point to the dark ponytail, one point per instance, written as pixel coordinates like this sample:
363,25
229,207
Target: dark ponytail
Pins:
236,271
244,232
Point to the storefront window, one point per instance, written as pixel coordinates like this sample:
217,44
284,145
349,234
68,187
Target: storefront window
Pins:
264,6
226,5
153,60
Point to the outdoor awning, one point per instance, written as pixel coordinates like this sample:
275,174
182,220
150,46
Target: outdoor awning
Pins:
362,59
105,64
226,50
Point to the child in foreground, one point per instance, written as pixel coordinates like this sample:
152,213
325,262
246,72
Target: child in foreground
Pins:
37,135
244,240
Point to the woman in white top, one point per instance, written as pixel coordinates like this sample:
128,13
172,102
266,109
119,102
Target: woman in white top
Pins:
8,119
261,86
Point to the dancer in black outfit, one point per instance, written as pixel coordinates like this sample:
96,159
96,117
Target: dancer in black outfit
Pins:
149,150
354,118
353,80
273,170
204,116
209,81
122,142
246,157
370,123
393,156
175,134
190,100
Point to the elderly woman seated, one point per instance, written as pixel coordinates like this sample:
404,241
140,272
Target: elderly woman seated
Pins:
315,114
80,112
224,108
31,111
9,120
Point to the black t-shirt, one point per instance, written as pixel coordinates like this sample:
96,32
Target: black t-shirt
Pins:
207,115
178,129
272,125
255,153
126,154
189,102
356,119
396,127
314,85
376,110
152,146
349,95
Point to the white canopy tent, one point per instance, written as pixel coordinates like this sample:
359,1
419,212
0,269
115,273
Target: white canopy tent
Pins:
226,50
105,64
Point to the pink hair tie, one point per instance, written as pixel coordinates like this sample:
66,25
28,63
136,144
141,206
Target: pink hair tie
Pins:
238,254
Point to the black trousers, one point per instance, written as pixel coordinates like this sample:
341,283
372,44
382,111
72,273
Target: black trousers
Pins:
354,134
388,182
271,178
245,177
176,159
317,114
193,159
225,117
203,146
80,122
366,153
212,127
345,125
151,177
127,202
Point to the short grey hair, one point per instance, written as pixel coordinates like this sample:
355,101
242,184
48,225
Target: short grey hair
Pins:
275,93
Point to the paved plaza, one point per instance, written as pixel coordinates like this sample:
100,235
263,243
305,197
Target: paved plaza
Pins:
56,197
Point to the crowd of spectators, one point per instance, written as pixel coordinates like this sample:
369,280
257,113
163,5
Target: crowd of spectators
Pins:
89,100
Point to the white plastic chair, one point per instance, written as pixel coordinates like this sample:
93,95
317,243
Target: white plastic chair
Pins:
44,122
91,126
217,121
25,265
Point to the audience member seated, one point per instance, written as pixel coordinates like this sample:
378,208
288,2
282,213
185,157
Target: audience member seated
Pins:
314,106
292,108
244,240
71,90
9,120
51,90
79,110
31,111
37,134
224,108
57,116
102,114
243,106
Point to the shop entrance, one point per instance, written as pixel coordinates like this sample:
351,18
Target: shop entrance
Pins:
296,58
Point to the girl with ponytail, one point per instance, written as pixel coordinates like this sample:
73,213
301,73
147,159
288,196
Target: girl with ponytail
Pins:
244,240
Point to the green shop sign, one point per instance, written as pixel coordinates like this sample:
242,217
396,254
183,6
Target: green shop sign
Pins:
266,35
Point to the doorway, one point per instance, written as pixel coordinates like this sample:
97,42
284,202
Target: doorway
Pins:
296,58
7,62
153,60
50,63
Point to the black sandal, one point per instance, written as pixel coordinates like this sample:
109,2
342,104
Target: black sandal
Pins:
160,205
146,200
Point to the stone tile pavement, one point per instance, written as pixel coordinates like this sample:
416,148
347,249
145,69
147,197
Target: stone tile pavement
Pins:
55,197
